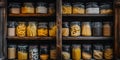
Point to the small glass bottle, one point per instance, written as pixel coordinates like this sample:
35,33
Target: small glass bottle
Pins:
11,51
65,29
11,28
41,7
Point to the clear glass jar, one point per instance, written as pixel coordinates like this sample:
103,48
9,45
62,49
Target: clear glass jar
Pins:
86,29
27,7
42,29
65,29
97,28
66,52
53,53
11,28
78,8
22,52
32,29
75,29
66,8
33,52
98,52
12,52
107,29
51,9
76,52
14,8
41,7
52,29
21,29
44,52
108,52
92,8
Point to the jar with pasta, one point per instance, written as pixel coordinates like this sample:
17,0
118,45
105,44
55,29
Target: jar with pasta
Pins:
21,29
41,8
78,8
108,52
42,29
53,53
66,8
31,29
14,8
52,29
27,7
75,29
51,9
86,29
12,52
65,29
11,28
76,52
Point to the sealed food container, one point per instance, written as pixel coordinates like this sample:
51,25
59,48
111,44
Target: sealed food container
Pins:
11,28
76,52
98,51
22,52
44,52
86,51
52,29
42,29
51,9
92,8
66,52
66,8
41,7
12,52
53,53
21,29
108,52
14,8
97,28
86,29
32,29
106,8
27,7
65,29
75,29
78,8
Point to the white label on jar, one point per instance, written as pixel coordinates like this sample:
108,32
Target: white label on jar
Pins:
11,31
41,10
92,10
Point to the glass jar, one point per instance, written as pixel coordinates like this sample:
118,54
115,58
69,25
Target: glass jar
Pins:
52,29
51,9
53,53
78,8
11,28
75,28
41,7
66,8
65,29
107,29
33,52
32,29
108,52
76,52
14,8
12,52
66,52
98,52
92,8
87,52
28,7
42,29
44,52
86,29
22,52
21,29
106,8
97,28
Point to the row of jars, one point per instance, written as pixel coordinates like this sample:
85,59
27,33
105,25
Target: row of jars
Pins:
28,7
87,52
31,52
88,8
31,29
77,28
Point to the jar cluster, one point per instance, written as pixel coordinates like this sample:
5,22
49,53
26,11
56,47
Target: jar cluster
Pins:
31,29
87,52
87,8
77,28
29,7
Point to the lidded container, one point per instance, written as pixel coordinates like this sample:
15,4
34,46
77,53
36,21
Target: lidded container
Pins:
52,29
11,28
108,52
65,29
12,52
41,7
53,53
28,7
51,9
14,8
66,8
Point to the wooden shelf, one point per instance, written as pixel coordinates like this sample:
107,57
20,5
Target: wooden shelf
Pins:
31,38
87,38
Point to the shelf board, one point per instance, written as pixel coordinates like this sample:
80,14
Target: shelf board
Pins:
87,38
31,38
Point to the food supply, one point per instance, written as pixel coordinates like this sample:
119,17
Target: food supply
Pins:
107,29
41,7
53,53
28,7
11,28
52,29
51,9
66,52
66,8
14,8
11,51
108,52
65,29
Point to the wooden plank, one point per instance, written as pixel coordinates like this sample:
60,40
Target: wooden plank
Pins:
27,15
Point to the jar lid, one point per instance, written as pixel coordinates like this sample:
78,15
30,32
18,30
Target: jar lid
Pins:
41,3
44,46
98,47
65,24
67,4
75,22
22,46
14,4
12,46
76,46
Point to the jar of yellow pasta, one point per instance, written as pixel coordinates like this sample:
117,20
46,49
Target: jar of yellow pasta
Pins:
42,29
66,8
52,29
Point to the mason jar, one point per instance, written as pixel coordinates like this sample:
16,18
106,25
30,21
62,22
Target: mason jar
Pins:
65,29
11,28
41,7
